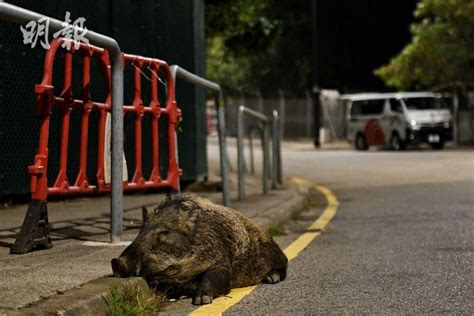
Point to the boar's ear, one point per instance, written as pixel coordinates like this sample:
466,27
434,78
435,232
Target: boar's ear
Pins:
145,214
191,221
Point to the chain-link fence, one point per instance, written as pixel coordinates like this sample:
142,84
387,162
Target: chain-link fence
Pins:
297,113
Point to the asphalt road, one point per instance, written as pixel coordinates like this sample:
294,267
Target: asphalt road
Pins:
402,241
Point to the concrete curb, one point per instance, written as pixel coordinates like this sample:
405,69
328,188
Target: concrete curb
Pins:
87,299
279,214
90,298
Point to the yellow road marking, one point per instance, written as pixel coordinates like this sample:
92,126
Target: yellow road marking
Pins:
299,244
329,212
221,304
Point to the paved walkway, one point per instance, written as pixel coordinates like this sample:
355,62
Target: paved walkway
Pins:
75,223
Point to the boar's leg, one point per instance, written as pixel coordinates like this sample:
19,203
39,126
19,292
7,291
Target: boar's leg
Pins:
277,274
214,283
279,261
275,277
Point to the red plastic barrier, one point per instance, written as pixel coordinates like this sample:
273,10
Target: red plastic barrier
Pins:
155,111
46,101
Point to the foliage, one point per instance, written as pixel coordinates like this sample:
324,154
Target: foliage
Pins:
224,66
441,52
276,230
131,300
239,34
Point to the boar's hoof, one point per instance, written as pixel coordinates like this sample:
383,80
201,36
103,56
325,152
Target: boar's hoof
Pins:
202,299
272,278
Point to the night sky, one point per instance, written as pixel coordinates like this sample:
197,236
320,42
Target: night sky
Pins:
355,37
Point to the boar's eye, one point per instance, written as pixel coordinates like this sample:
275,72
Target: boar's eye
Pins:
164,232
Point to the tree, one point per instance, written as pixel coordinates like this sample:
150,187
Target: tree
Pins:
263,44
239,34
441,52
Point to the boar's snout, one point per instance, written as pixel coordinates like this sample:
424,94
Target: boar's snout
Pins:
120,268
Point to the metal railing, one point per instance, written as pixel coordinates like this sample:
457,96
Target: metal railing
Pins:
281,112
277,174
251,155
19,15
276,148
179,72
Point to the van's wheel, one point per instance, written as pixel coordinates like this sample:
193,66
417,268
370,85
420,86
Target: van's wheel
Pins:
396,142
437,146
360,143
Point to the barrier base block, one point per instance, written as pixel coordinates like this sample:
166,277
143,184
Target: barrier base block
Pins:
34,233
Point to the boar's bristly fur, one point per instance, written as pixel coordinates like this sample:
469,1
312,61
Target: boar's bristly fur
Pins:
190,246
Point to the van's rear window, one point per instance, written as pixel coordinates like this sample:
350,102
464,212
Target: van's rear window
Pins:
367,107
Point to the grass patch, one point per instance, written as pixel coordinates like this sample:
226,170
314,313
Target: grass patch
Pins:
132,299
276,230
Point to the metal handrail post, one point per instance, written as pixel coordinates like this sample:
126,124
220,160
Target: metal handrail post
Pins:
240,152
280,160
276,146
177,71
282,106
266,158
19,15
252,163
240,148
222,117
252,160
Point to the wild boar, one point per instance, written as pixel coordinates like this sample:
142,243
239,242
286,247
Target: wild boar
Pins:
189,246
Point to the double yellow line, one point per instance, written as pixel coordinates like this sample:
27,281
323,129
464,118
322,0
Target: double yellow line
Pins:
220,304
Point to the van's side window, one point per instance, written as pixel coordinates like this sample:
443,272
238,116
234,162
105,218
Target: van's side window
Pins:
355,108
367,107
395,106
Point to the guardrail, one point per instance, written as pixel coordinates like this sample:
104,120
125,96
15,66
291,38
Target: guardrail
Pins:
277,162
155,111
276,149
252,160
66,102
19,15
181,73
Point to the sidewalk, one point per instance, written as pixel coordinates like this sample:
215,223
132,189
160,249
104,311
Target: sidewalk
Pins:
77,223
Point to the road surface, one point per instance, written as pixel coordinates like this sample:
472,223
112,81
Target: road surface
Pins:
402,241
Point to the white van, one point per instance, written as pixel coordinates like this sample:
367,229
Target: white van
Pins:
398,119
